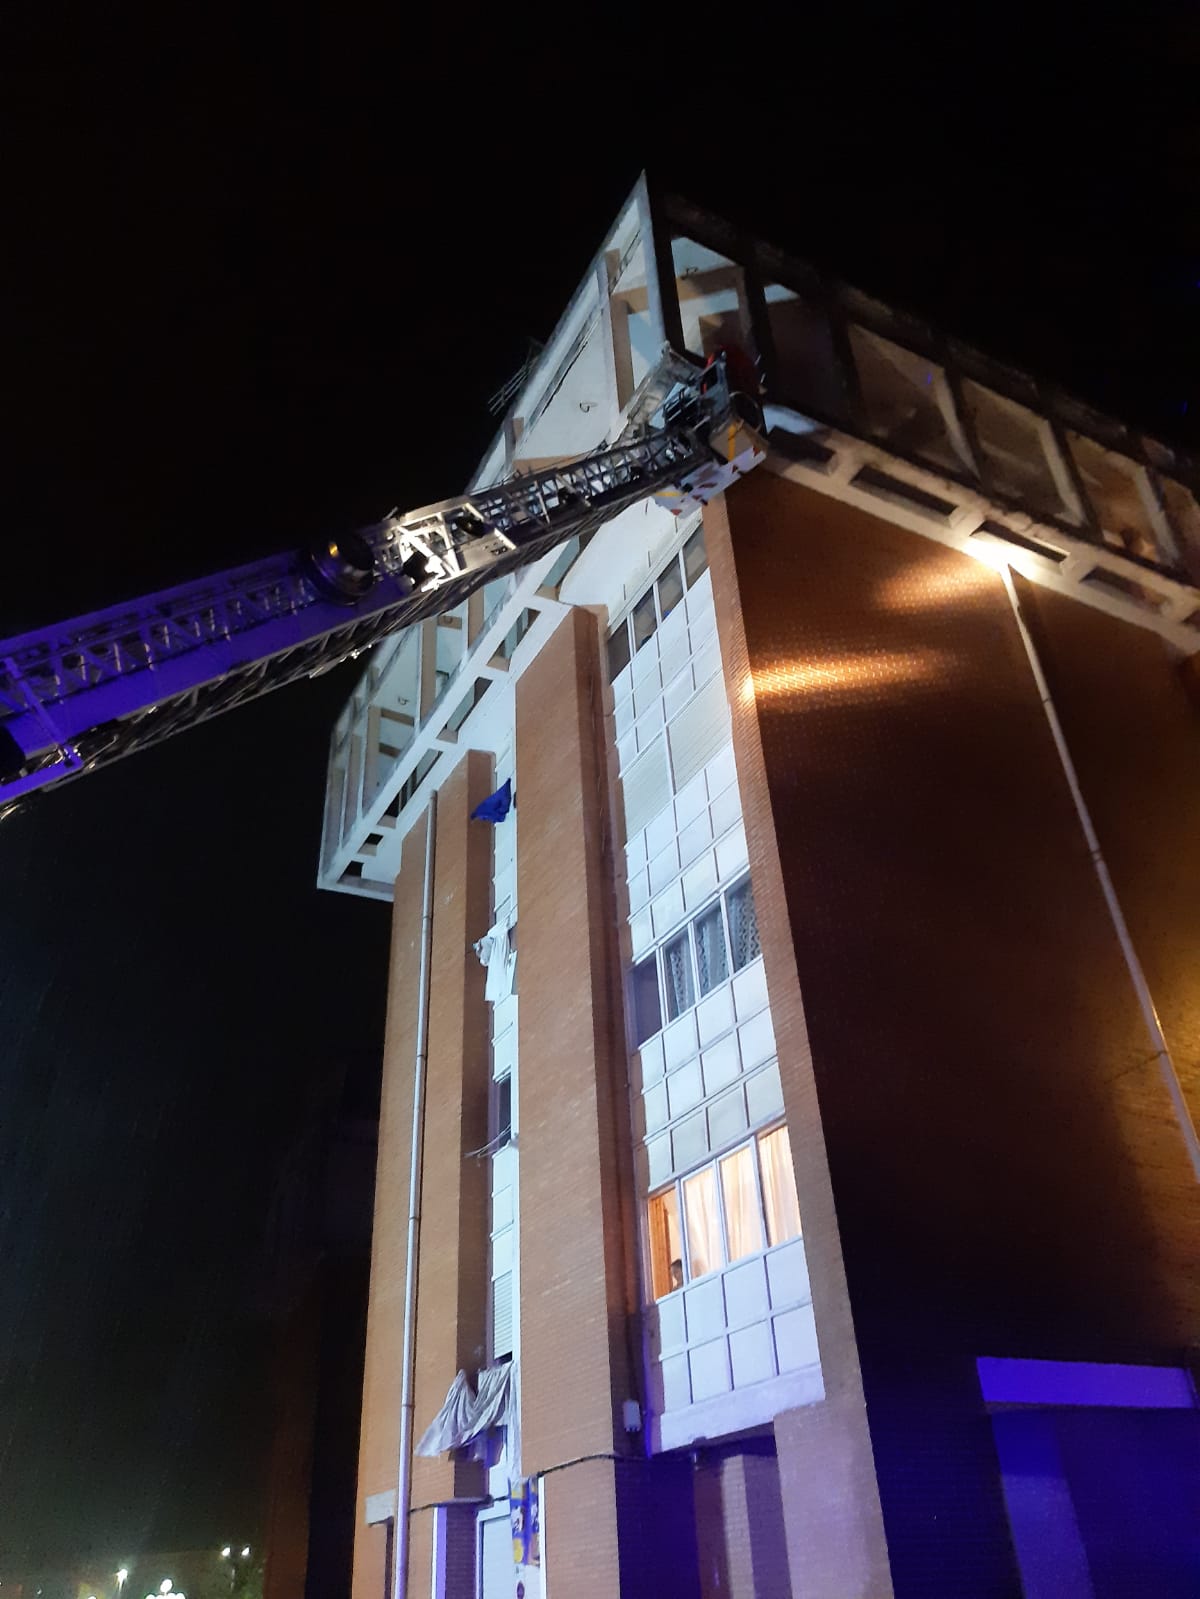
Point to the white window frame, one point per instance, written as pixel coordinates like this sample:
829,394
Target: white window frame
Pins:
713,1163
625,621
657,951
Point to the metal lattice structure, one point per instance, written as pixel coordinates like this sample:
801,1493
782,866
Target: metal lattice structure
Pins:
82,693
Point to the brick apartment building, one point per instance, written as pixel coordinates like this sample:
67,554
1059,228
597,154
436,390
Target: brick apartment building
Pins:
825,1173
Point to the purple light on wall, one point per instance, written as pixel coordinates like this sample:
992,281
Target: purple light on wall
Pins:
1071,1382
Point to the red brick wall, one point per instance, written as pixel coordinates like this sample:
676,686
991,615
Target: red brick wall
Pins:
740,1529
1134,734
832,1515
976,1068
379,1440
453,1274
577,1294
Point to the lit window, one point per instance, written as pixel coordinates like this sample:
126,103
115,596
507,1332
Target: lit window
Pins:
731,1208
779,1186
695,557
677,976
743,1213
666,1243
703,1223
743,925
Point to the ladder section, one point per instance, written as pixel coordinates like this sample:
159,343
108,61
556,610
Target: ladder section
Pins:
82,693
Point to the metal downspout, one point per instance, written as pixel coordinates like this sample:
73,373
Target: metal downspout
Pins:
1158,1041
416,1158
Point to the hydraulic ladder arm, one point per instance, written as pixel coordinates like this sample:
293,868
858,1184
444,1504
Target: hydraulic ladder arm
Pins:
78,694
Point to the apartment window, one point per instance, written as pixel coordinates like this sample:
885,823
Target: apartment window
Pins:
645,620
618,652
743,925
735,1206
656,604
670,590
502,1092
779,1186
695,558
678,983
1184,512
721,939
1121,498
909,404
712,965
1020,457
647,1009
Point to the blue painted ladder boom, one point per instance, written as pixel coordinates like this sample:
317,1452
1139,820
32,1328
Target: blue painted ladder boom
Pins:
79,694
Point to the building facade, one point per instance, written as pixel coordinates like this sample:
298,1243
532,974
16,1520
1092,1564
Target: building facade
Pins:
817,1146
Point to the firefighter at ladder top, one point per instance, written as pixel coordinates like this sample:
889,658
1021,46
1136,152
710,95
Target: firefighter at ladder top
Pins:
740,370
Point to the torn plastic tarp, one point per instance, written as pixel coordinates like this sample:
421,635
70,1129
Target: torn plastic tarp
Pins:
466,1414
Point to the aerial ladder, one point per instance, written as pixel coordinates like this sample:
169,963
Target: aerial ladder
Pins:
79,694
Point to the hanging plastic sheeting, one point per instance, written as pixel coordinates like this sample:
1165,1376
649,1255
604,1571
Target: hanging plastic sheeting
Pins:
467,1414
496,953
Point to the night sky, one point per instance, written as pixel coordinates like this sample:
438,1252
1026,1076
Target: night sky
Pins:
258,285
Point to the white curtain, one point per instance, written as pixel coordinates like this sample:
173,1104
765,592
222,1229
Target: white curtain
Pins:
710,950
703,1224
743,1218
677,973
743,925
779,1186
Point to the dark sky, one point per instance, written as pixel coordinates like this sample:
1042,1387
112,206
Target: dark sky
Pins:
258,283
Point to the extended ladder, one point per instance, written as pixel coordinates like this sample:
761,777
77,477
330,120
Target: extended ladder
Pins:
78,694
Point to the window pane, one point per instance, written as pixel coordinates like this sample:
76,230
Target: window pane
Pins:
618,652
504,1109
743,1218
1184,512
909,403
1121,498
644,620
647,1013
670,590
695,557
779,1186
743,925
1020,453
703,1225
711,964
677,976
666,1243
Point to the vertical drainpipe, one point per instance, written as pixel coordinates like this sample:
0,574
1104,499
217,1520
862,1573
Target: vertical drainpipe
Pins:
1158,1040
416,1154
